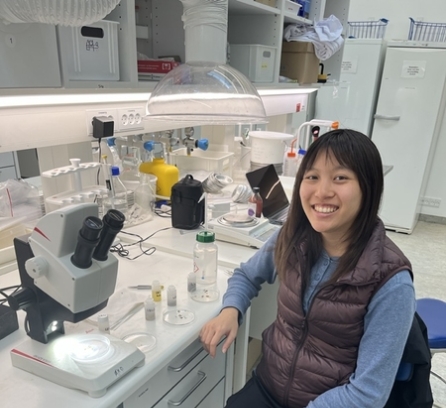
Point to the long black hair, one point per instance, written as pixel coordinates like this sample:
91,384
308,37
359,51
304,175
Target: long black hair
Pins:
358,153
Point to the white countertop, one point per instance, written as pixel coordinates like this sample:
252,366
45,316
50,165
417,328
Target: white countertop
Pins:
19,388
181,242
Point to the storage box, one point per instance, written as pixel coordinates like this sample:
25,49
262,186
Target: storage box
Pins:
29,57
254,60
271,3
211,161
299,62
90,52
292,7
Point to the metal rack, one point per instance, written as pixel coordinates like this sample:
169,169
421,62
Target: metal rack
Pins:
367,29
422,31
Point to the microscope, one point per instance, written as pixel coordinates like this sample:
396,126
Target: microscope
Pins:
69,277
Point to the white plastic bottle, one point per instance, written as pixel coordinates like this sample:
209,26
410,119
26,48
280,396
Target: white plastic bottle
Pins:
290,164
205,267
117,198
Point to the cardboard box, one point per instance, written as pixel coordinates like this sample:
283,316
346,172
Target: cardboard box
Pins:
299,62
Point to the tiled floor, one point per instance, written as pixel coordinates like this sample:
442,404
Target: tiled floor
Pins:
426,249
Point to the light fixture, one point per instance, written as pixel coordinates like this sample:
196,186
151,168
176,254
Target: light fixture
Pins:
205,89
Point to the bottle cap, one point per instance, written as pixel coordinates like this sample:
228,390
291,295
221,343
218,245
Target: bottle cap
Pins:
205,236
255,189
115,171
291,154
302,152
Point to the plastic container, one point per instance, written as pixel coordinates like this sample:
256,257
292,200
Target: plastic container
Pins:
292,7
90,52
290,164
167,175
205,256
211,161
268,147
257,203
118,199
254,60
146,191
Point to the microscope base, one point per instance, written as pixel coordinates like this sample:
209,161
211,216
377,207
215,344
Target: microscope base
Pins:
87,362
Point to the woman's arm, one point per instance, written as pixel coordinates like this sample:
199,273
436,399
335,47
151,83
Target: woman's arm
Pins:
386,328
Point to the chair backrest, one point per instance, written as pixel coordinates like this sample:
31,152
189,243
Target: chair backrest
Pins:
405,371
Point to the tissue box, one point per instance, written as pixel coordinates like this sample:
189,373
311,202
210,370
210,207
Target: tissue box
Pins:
299,62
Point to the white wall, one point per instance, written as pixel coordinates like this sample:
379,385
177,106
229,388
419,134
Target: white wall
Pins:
398,13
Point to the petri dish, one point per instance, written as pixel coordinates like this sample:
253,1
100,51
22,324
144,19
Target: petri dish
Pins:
178,316
145,342
91,348
205,295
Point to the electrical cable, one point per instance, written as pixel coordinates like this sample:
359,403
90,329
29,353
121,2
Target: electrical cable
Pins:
122,251
5,295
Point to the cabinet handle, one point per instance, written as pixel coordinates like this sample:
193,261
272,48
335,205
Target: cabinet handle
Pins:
201,378
182,366
386,117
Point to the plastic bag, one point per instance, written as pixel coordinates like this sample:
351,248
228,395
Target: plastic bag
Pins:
20,199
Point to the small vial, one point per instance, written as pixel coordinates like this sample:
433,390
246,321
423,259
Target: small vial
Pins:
256,203
156,291
104,323
171,296
191,283
149,308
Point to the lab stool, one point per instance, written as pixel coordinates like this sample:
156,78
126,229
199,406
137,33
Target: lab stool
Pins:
433,313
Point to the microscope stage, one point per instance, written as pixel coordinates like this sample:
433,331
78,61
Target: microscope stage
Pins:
88,362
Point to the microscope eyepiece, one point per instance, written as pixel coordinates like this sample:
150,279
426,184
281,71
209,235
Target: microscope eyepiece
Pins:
88,238
113,222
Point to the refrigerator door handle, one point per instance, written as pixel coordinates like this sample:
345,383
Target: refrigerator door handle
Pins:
386,117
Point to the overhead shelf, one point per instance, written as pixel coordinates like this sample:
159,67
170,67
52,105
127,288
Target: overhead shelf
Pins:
250,7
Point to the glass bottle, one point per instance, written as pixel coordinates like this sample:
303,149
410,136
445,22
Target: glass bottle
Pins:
205,267
117,197
145,194
257,203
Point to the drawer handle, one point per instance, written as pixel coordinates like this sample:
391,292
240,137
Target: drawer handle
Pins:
386,117
182,366
201,378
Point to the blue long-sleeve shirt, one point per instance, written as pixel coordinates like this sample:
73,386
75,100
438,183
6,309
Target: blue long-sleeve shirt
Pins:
386,326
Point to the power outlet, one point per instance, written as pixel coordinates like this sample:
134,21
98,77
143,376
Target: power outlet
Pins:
431,202
90,114
130,119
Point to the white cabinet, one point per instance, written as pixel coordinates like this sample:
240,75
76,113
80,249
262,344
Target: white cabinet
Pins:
8,167
191,378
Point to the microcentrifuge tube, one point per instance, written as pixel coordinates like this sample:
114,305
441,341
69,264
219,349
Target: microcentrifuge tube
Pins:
156,291
103,323
171,296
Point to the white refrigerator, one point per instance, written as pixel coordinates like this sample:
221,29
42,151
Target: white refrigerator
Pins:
408,117
352,100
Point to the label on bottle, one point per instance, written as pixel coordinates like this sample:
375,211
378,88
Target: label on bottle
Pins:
205,265
252,207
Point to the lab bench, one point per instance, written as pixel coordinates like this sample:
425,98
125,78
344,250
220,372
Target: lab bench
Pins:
176,370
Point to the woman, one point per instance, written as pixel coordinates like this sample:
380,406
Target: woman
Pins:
346,299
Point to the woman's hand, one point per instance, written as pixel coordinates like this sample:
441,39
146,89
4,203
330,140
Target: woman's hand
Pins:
225,324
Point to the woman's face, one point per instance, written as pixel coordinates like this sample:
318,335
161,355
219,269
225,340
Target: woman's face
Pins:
331,198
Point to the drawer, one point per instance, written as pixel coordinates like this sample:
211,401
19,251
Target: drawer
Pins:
6,159
163,381
195,387
216,398
7,173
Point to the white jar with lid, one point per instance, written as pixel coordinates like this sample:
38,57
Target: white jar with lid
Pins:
205,267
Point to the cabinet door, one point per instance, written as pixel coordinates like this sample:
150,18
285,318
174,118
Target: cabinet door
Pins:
7,173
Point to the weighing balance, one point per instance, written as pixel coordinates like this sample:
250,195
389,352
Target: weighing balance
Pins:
242,229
